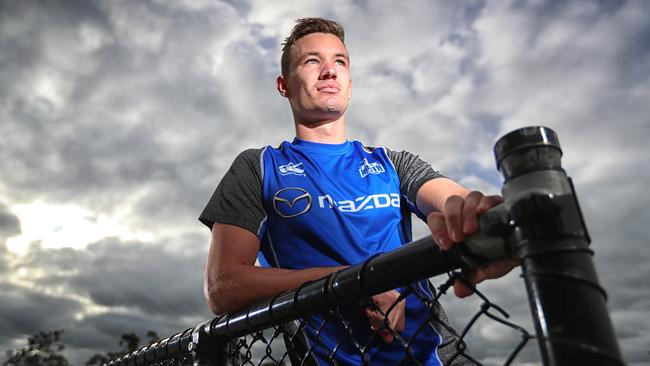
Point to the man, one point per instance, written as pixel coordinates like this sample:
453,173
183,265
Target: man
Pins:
321,203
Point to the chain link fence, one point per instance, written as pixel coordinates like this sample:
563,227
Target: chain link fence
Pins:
286,345
291,328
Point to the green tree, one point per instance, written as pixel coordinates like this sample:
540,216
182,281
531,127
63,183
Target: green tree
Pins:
43,349
128,343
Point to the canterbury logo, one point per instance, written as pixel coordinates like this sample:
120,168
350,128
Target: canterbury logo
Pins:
291,168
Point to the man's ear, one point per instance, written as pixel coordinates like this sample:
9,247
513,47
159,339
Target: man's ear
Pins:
282,86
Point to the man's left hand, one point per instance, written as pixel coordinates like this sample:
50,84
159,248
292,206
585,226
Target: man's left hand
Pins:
458,220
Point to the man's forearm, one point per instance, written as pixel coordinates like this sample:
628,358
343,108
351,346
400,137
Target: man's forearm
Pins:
239,286
434,193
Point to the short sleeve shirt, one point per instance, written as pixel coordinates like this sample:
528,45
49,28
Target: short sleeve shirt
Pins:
315,205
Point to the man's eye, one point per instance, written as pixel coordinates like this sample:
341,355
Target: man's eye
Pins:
311,61
340,62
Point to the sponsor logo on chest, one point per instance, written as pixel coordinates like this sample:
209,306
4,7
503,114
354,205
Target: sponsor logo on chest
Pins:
291,202
294,201
369,202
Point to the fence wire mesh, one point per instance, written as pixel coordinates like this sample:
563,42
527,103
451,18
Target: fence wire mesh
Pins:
288,344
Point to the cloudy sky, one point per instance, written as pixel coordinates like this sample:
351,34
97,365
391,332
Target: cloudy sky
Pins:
118,118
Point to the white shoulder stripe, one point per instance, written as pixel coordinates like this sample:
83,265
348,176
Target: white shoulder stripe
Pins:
275,256
262,164
388,157
259,228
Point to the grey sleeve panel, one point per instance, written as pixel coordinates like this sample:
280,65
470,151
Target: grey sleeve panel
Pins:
413,172
449,345
238,197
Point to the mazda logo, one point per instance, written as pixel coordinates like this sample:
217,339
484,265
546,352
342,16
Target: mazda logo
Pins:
291,202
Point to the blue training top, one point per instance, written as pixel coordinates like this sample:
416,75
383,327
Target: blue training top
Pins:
316,205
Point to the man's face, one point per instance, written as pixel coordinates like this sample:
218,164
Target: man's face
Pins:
318,84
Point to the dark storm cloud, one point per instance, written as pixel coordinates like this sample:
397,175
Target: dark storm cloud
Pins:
155,279
9,226
617,220
109,100
106,105
580,68
153,287
157,283
24,311
9,223
101,333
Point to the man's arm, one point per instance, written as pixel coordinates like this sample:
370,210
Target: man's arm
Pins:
433,194
232,281
234,214
443,199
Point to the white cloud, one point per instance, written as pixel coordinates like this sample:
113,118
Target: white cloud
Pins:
57,226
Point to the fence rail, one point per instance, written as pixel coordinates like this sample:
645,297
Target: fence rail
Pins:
253,337
539,222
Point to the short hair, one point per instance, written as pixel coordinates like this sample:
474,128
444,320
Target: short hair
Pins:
304,27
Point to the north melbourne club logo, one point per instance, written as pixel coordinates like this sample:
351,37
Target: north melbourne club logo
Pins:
293,169
370,168
291,202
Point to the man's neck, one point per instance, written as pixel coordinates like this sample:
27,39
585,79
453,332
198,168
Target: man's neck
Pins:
330,132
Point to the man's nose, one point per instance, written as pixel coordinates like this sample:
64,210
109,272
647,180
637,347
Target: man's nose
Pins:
328,71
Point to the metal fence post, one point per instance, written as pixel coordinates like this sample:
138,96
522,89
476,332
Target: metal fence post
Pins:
207,349
567,303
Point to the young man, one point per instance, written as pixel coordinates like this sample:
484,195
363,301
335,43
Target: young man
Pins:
321,202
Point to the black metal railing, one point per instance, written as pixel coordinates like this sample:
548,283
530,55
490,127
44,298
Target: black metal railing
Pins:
270,333
539,223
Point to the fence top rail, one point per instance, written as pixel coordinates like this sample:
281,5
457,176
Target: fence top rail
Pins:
417,260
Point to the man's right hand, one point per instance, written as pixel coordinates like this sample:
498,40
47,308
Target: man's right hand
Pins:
394,316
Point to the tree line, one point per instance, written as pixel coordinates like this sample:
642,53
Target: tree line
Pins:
46,349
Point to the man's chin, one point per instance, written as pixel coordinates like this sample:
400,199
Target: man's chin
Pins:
329,111
335,106
323,116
